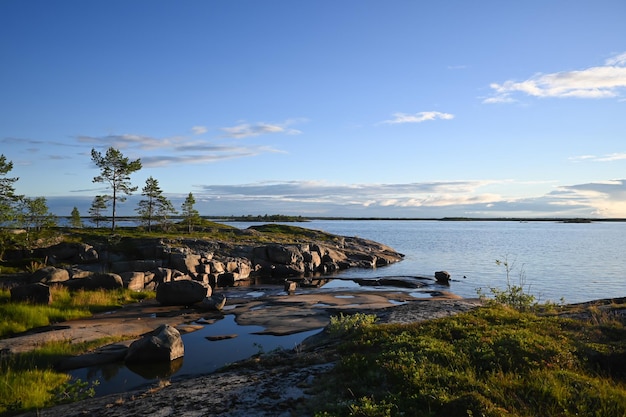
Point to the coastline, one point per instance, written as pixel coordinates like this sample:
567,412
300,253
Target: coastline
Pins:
272,384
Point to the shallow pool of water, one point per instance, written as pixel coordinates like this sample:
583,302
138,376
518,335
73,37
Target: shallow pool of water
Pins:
202,356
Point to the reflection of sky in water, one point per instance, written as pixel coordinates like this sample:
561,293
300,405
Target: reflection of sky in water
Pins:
201,355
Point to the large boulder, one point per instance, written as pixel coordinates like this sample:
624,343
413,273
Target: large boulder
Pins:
50,275
442,277
36,293
135,281
163,344
105,281
182,293
69,252
186,262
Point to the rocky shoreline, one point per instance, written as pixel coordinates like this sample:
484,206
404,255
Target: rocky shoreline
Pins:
290,276
274,384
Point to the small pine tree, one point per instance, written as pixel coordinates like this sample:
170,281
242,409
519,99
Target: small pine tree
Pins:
156,207
190,214
75,220
98,206
35,214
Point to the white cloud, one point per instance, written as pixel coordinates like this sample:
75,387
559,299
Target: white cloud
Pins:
418,117
605,198
606,81
618,156
245,130
198,130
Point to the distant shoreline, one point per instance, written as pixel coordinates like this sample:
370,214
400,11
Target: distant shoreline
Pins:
285,218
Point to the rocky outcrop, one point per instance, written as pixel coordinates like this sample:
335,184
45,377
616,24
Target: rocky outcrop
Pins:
142,263
442,277
50,275
37,293
164,344
182,293
105,281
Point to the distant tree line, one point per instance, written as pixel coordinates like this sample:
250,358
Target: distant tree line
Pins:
33,214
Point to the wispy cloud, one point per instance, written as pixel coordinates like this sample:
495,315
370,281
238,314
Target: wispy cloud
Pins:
605,81
198,130
244,130
605,158
126,141
420,117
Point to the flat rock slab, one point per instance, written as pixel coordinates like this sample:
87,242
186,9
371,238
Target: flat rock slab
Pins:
278,312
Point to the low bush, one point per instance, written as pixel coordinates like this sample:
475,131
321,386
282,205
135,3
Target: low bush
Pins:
492,361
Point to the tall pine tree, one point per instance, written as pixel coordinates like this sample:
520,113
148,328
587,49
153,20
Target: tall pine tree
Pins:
115,170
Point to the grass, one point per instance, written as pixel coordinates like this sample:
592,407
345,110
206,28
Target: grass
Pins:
19,317
493,361
28,381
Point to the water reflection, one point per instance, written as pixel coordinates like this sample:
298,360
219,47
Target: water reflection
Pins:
205,352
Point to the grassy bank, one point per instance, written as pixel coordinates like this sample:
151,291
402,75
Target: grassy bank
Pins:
494,361
29,381
19,317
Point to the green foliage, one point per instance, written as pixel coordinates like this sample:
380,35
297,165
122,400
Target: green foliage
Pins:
75,220
115,170
66,305
155,207
28,380
8,198
98,205
191,216
513,295
492,361
346,323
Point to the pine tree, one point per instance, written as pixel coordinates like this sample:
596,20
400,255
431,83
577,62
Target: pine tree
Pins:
190,214
115,170
75,220
99,204
156,207
35,214
8,198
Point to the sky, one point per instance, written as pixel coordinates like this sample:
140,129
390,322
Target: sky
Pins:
354,108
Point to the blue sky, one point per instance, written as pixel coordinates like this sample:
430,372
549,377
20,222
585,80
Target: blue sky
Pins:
330,108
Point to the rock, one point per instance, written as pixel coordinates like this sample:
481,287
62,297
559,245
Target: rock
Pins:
187,263
135,281
103,355
105,281
164,344
69,252
36,293
220,337
182,293
142,265
442,277
281,254
50,275
215,302
290,286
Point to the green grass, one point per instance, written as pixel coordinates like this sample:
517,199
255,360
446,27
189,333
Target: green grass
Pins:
493,361
28,381
66,305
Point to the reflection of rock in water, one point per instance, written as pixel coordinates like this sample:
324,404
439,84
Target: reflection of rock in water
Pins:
156,370
108,371
401,282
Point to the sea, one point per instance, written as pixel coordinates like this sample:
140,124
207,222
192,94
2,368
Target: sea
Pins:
553,260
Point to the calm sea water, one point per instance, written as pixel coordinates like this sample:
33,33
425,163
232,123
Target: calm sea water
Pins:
554,261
